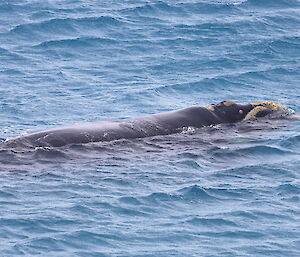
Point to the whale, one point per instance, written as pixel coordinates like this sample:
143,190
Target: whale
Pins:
164,123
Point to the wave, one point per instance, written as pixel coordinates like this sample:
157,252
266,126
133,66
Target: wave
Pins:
204,85
67,26
257,170
286,46
211,222
11,55
288,189
223,79
155,9
77,43
196,193
182,196
253,154
271,3
292,142
6,8
13,72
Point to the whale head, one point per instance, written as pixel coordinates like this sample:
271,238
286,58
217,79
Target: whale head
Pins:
263,108
229,111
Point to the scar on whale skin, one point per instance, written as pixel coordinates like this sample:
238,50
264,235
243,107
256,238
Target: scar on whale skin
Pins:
164,123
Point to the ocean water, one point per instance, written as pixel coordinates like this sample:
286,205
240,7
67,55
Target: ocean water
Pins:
226,190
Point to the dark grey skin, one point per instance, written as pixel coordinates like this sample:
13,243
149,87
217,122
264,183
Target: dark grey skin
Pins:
151,125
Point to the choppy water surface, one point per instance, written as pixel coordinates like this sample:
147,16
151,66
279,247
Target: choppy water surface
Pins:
227,190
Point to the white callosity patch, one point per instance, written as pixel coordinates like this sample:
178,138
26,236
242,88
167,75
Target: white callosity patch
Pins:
228,103
254,111
264,105
274,106
209,107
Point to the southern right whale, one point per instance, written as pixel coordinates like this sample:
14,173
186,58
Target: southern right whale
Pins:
164,123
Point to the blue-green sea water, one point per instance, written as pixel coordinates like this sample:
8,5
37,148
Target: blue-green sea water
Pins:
227,190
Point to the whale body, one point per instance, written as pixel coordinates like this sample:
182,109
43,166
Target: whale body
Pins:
164,123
